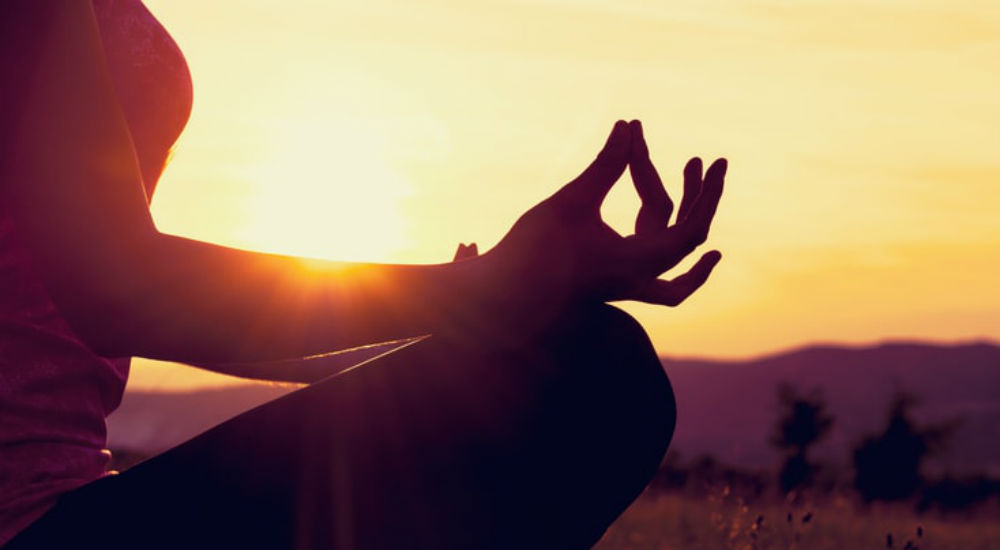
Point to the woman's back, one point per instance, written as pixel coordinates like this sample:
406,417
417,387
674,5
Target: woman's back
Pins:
54,390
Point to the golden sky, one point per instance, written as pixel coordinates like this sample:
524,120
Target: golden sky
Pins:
863,140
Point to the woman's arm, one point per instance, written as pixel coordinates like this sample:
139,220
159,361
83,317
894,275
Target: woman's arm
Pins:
74,186
73,183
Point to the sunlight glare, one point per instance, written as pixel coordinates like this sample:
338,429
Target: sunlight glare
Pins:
326,189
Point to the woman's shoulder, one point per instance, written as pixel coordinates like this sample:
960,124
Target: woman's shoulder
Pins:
151,76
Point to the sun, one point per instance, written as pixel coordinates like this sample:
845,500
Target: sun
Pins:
326,188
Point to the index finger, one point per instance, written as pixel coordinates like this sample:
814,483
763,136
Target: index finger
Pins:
593,184
654,212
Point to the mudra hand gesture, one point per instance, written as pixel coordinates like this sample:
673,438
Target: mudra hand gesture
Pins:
561,252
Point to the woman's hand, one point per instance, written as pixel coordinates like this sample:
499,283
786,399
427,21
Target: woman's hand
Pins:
561,252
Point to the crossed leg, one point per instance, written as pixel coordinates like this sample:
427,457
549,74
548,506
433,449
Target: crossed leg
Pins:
440,445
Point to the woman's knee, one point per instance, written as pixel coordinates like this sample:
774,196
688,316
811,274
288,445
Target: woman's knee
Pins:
603,425
608,356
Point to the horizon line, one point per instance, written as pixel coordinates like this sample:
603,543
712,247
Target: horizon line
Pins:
846,345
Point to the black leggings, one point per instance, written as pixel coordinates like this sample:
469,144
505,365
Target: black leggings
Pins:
439,445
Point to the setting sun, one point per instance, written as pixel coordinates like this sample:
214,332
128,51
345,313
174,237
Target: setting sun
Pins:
326,188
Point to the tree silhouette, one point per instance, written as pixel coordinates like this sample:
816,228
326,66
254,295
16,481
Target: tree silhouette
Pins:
887,466
802,421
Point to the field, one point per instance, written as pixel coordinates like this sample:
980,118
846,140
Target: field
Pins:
662,519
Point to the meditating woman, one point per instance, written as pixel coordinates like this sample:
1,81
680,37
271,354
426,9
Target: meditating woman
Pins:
532,415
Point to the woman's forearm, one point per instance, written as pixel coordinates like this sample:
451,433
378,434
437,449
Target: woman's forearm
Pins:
203,303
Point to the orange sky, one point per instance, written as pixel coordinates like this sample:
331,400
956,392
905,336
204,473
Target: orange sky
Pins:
863,139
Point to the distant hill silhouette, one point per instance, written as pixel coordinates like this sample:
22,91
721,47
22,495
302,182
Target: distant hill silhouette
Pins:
728,408
725,408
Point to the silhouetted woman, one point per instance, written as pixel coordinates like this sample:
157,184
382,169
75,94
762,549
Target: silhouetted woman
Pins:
532,416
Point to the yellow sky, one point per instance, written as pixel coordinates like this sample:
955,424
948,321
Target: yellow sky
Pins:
863,141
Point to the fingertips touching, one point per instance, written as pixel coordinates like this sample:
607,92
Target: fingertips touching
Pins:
465,252
639,147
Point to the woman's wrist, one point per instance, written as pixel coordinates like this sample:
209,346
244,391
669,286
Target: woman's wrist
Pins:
500,307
